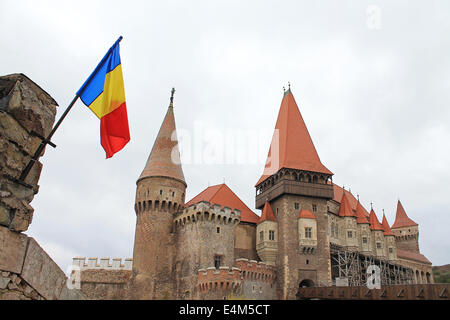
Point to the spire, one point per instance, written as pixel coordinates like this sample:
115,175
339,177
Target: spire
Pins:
373,220
164,159
385,225
267,213
291,146
360,214
345,209
401,218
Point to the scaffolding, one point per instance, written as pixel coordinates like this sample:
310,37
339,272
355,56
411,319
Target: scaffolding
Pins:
352,266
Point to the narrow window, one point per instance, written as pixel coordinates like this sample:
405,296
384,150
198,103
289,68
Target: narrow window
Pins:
296,206
261,235
364,240
173,194
349,234
218,229
160,192
307,261
314,207
378,245
308,233
217,261
271,235
391,250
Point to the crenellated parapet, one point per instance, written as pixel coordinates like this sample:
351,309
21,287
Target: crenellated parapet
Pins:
103,264
222,279
204,211
255,271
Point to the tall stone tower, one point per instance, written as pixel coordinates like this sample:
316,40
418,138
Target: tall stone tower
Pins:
406,231
293,180
160,193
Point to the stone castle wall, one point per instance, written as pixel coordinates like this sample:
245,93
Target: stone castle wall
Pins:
203,232
26,270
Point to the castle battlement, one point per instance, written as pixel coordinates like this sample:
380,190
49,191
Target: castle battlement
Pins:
254,270
104,264
224,278
204,211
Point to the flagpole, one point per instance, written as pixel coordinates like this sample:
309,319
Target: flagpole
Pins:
44,142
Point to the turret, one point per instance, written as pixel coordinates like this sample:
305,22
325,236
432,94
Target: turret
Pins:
391,249
378,244
406,231
307,232
363,229
267,236
160,193
349,222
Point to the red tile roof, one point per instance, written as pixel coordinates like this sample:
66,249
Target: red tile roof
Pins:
222,195
160,163
291,146
345,209
374,223
361,214
267,213
401,219
385,225
306,214
339,191
410,255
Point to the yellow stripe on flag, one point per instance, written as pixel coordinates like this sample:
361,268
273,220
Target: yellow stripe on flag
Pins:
113,94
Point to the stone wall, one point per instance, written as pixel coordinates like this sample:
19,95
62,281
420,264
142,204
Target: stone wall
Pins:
245,241
27,271
26,112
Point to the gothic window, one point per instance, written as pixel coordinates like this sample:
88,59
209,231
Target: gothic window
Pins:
261,235
217,261
160,192
296,206
308,233
173,194
271,235
349,234
314,207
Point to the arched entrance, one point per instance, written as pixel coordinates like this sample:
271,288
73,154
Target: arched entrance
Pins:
306,283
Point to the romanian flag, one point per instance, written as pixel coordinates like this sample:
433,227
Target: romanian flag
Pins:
104,93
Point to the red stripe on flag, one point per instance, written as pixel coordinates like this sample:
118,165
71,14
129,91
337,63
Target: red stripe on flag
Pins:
114,131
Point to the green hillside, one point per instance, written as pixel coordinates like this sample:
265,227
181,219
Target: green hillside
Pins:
441,274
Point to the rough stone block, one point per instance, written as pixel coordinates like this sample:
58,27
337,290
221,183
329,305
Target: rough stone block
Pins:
71,294
42,273
4,282
12,250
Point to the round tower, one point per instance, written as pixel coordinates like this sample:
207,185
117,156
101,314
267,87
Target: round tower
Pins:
160,193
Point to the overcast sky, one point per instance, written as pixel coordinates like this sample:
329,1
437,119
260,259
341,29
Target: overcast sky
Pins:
371,78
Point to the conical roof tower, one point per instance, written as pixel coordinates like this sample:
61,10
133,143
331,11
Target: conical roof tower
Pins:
402,219
164,159
292,146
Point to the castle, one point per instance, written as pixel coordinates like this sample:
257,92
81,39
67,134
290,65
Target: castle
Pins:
311,232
